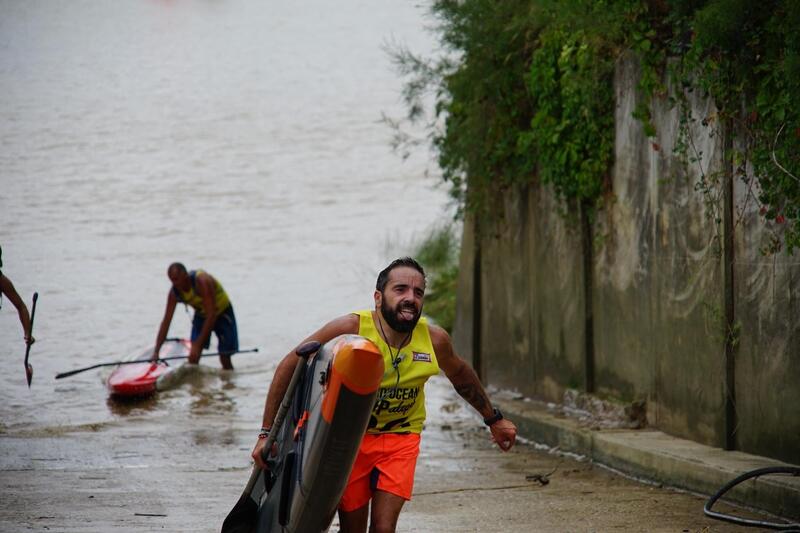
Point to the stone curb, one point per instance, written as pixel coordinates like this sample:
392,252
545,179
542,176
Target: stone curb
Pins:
657,457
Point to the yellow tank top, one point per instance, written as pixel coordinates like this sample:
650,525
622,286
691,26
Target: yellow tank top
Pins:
400,406
191,297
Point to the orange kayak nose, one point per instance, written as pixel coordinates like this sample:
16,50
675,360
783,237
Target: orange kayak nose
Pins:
357,366
358,363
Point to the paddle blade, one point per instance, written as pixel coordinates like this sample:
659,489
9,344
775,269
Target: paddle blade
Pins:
243,516
29,341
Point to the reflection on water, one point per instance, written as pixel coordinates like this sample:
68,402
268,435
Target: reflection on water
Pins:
208,402
131,406
206,391
208,397
212,436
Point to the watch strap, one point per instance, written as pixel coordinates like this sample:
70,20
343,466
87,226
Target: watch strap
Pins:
494,418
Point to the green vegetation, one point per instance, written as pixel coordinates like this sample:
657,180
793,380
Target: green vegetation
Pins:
438,254
525,93
746,55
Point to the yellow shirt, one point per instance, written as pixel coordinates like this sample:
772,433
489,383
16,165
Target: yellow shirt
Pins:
191,297
400,406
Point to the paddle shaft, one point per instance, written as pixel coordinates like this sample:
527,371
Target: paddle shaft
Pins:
28,368
170,358
286,403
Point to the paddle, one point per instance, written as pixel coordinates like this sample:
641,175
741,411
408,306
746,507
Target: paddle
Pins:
170,358
243,516
29,367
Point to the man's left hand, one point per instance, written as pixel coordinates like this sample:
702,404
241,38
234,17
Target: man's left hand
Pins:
504,433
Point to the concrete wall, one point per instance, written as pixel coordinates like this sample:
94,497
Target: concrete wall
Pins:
465,301
532,334
767,313
556,295
506,307
658,292
658,286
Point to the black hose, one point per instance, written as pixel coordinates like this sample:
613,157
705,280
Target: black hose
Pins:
793,470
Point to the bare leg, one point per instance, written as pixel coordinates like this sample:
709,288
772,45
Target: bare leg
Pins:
354,521
385,511
225,361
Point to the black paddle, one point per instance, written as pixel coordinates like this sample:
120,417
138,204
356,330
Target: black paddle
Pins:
243,516
170,358
29,367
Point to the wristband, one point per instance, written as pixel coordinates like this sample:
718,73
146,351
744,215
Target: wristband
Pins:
264,433
494,418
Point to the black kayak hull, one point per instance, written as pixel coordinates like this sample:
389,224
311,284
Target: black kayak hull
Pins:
319,442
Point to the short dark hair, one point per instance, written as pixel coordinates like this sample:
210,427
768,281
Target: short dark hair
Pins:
176,266
383,277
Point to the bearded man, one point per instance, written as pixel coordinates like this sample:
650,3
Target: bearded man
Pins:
413,351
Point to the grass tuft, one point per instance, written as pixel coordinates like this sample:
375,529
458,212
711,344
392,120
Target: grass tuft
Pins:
438,253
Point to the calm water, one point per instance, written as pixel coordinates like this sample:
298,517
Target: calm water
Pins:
243,137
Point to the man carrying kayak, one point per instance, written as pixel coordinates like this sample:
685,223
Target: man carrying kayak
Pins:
413,351
212,312
8,290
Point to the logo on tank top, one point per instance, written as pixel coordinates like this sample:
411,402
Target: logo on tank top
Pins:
421,356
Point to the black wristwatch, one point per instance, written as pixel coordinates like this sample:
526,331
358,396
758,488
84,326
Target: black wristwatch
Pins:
494,418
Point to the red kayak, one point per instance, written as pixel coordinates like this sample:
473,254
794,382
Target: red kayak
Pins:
140,379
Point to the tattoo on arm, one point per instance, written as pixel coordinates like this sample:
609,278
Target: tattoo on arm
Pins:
473,394
468,387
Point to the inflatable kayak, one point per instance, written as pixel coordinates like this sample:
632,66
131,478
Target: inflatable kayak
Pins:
318,442
141,379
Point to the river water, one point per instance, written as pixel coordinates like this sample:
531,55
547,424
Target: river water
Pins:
242,137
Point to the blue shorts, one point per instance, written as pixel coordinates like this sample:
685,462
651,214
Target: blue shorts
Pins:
224,328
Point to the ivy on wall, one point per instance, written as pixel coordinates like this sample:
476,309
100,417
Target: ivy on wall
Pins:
746,56
571,133
524,92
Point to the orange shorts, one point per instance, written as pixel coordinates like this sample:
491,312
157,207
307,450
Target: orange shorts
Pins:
384,462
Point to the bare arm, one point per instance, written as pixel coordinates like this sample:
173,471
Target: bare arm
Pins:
165,322
285,369
469,387
8,289
206,286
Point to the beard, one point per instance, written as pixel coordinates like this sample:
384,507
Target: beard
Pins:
392,316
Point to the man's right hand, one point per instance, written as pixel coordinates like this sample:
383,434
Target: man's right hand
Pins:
259,447
256,455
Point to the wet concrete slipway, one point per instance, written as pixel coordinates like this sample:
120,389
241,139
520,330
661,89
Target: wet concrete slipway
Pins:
243,137
154,469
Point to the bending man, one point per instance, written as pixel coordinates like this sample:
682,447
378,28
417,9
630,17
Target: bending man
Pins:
212,312
413,351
